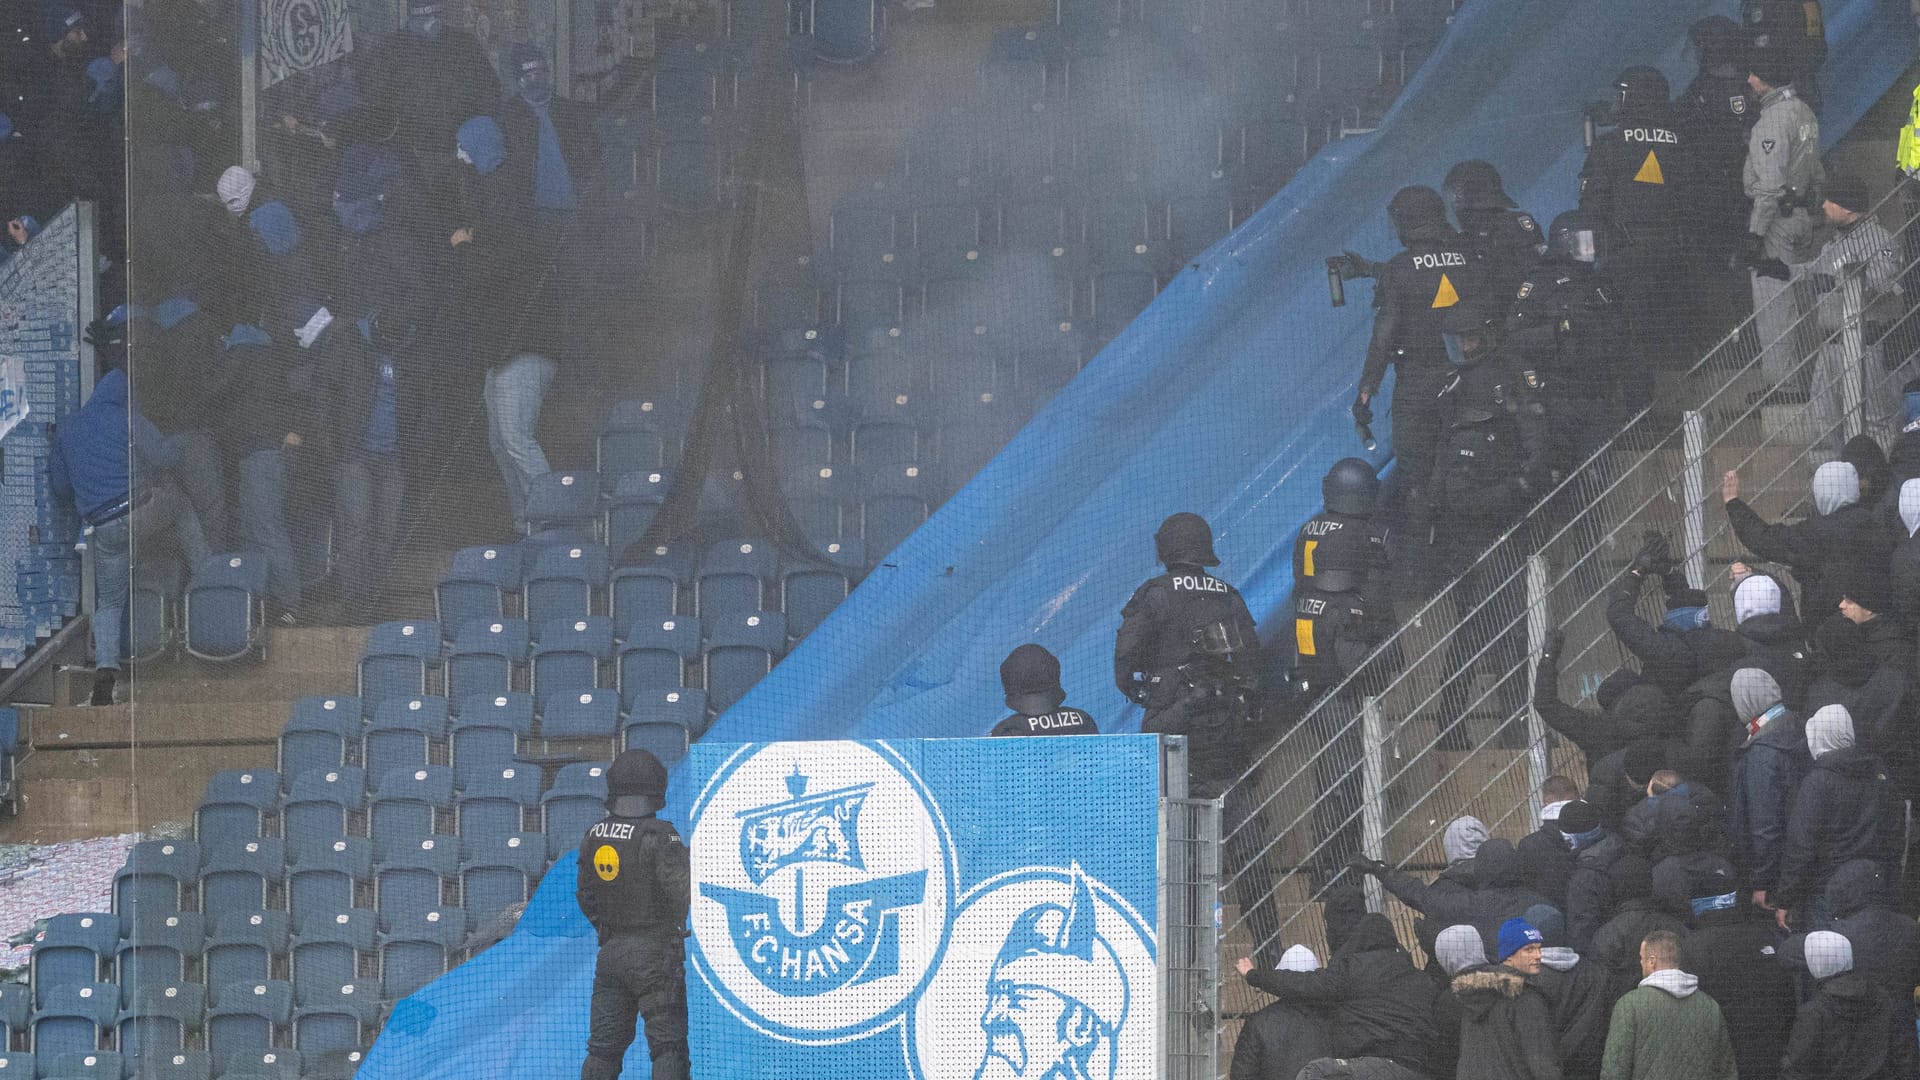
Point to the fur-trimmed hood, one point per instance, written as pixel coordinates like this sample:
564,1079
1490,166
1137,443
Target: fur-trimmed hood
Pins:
1480,989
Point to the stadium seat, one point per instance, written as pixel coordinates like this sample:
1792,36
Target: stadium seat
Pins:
569,656
578,726
946,238
16,1063
408,877
327,953
864,240
398,661
155,593
337,1022
406,802
690,168
888,431
810,591
563,500
970,435
514,711
156,875
818,503
16,1005
404,734
495,804
577,799
636,498
178,1065
651,589
81,1064
497,872
324,805
157,1022
484,657
893,503
561,583
686,708
487,741
277,1063
225,606
157,952
243,1020
1049,361
640,436
739,652
244,945
239,802
666,741
477,585
842,31
71,1016
239,875
868,307
1118,296
319,735
657,654
736,575
786,375
782,304
803,426
324,878
1198,213
418,947
72,951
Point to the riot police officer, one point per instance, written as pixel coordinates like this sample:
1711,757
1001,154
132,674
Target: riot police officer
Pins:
635,887
1030,676
1717,111
1504,240
1188,651
1412,294
1565,336
1636,176
1798,31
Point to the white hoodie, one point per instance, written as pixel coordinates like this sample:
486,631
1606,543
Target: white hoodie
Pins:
1835,484
1673,981
1829,729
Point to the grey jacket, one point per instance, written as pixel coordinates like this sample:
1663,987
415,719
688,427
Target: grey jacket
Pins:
1783,163
1865,250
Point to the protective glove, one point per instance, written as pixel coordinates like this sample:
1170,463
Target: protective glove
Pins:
1654,559
1773,268
1362,413
1360,864
1358,266
1137,692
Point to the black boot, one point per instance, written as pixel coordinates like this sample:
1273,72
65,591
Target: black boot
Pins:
103,680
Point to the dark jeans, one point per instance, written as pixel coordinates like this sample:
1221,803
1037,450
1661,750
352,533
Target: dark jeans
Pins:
366,509
163,519
644,977
263,521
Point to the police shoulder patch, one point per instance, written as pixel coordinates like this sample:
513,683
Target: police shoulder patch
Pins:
1533,379
1526,290
1527,223
1766,145
1737,104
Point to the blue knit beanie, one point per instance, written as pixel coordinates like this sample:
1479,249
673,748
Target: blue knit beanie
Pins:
1517,934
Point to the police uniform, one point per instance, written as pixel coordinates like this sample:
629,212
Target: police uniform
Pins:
1030,679
635,887
1796,28
1565,340
1334,628
1717,111
1186,651
1507,243
1061,721
1782,175
1638,175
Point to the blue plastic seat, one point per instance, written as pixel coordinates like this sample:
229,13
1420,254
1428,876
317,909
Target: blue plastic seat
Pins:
640,435
338,1024
238,802
327,951
657,654
71,1017
243,946
843,31
20,1062
16,1005
242,1020
178,1065
868,307
398,660
318,735
690,168
1048,362
636,498
738,653
562,580
810,591
497,872
864,240
650,589
324,804
418,947
484,658
737,575
156,1023
569,656
71,951
819,504
323,878
804,426
238,875
157,950
496,804
277,1063
514,711
154,877
579,726
406,802
404,733
666,741
411,877
477,586
563,500
489,742
81,1064
225,606
1119,295
151,606
685,707
893,503
888,431
576,800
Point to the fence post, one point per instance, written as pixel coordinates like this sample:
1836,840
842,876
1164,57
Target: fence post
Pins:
250,84
1852,343
1539,618
1693,479
1373,790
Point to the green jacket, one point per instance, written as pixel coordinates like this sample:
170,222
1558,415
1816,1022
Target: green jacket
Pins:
1665,1029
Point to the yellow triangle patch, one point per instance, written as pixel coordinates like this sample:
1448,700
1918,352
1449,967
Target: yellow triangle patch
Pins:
1650,171
1445,297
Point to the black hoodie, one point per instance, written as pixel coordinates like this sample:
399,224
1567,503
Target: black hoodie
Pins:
1506,1027
1849,1030
1498,891
1886,944
1845,809
1822,549
1382,1006
1735,953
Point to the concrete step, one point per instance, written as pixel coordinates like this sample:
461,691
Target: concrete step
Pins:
299,662
75,794
156,724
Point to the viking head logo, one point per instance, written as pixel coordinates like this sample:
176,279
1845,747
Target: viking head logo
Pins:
1056,998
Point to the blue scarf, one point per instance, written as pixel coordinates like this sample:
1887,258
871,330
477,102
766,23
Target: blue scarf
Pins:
1682,619
1704,904
552,183
1581,841
273,223
1912,401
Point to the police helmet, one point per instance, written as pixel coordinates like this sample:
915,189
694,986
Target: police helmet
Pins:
1475,185
1415,208
1717,40
1185,539
1470,331
1579,236
1030,676
1640,87
636,784
1350,487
